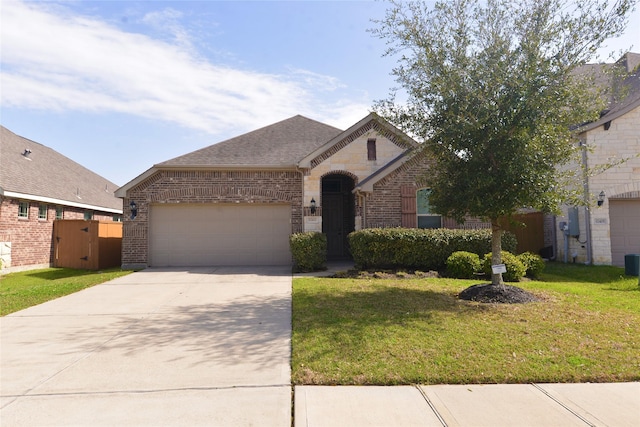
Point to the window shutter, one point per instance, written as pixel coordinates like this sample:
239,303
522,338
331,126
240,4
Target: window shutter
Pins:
408,196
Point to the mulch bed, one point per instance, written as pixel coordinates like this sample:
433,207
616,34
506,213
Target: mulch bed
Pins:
504,294
484,293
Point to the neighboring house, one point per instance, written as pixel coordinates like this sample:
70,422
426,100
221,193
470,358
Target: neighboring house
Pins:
37,186
609,228
237,202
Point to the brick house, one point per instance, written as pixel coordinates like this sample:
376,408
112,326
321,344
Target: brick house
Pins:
609,227
237,202
37,186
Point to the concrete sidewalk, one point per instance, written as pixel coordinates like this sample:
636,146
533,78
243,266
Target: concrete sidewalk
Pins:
526,405
200,347
212,347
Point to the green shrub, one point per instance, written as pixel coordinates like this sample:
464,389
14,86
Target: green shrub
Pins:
309,251
463,265
420,249
515,268
533,263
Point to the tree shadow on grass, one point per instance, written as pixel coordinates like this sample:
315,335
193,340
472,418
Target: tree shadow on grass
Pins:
58,273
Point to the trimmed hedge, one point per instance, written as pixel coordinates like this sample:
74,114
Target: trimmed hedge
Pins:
515,268
533,263
420,249
463,265
309,251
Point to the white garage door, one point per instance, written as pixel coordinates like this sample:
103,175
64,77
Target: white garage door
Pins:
625,229
215,234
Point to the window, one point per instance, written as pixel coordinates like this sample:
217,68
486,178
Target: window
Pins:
426,219
42,212
23,210
88,215
59,212
371,149
117,218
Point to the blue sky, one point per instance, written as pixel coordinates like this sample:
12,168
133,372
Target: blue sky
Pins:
119,86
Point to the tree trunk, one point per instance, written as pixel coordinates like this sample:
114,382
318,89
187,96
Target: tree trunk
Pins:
496,249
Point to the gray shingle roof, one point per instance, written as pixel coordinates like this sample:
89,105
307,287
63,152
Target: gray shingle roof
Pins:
48,174
628,83
280,144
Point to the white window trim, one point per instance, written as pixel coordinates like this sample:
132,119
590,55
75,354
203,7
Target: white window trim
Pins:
26,216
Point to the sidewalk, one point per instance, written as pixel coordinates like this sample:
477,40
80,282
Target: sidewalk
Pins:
496,405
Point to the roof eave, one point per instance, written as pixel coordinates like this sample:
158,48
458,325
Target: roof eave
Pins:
305,162
610,116
366,185
53,201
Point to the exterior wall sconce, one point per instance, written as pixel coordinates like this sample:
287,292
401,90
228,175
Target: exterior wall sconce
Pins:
312,206
601,197
134,209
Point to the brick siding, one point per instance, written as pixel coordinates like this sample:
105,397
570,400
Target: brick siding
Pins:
205,187
31,238
383,207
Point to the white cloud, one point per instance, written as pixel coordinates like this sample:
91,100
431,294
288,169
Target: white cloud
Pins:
55,60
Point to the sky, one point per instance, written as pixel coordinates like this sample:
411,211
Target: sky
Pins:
119,86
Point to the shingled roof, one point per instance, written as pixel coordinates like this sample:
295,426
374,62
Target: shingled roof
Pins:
628,84
43,174
281,144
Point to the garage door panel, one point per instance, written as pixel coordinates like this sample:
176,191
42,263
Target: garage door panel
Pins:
204,235
625,229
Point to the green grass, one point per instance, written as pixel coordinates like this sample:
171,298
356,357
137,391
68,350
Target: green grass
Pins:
25,289
416,331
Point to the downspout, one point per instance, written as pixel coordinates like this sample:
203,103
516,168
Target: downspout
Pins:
587,210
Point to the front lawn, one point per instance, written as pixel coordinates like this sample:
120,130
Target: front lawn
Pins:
416,331
25,289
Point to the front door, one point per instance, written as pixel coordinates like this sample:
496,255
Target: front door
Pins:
338,217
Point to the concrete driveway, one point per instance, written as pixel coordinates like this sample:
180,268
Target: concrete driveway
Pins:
206,346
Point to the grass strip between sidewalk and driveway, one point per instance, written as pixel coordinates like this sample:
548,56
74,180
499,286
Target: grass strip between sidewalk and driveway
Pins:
28,288
586,328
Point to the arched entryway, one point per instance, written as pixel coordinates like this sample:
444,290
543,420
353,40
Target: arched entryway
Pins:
338,214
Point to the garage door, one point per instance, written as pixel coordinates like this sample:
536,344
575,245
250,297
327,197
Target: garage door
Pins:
625,229
214,234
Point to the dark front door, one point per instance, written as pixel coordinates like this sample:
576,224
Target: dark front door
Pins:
337,214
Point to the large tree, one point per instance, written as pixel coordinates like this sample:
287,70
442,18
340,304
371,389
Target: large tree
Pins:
489,88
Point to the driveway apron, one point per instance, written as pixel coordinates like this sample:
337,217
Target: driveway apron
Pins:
203,346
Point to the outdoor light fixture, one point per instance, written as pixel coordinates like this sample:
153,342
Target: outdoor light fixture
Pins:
601,197
134,209
313,206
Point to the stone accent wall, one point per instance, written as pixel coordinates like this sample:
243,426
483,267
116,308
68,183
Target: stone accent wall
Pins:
202,186
350,159
369,130
28,242
620,141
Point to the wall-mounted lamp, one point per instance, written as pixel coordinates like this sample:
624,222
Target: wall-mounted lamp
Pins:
601,197
312,205
134,209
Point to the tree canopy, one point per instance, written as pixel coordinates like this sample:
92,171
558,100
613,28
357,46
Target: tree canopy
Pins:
492,95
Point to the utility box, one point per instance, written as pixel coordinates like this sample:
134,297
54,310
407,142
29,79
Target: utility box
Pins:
574,222
632,264
88,245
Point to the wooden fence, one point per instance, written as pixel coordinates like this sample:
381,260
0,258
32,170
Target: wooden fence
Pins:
90,245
